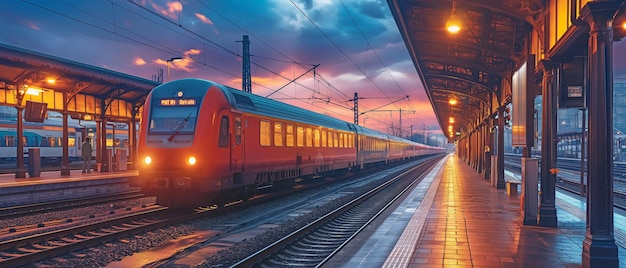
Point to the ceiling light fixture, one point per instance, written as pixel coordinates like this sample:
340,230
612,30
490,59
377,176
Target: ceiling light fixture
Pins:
454,23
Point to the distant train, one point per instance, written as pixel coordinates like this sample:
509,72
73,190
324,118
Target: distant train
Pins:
202,142
48,137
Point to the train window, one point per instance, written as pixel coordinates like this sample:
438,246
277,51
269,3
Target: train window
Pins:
300,136
222,140
278,134
238,130
125,143
324,138
265,133
340,140
309,137
52,142
9,141
349,143
25,140
71,141
167,118
316,138
289,136
335,140
345,141
330,139
109,142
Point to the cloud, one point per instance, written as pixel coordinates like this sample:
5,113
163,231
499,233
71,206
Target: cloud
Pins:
139,61
203,18
172,9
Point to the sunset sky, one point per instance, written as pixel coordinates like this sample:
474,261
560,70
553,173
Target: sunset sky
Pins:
355,42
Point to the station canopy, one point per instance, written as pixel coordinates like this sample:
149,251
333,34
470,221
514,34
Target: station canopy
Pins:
90,92
463,73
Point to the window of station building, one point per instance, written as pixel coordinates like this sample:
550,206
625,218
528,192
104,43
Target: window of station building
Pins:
309,137
278,134
316,138
289,136
300,136
324,138
222,139
265,133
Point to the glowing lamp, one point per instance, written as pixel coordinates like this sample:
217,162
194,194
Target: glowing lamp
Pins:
454,24
191,161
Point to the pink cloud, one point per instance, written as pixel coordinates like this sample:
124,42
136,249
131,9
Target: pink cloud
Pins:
203,18
139,61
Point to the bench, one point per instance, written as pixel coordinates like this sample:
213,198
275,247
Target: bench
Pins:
512,181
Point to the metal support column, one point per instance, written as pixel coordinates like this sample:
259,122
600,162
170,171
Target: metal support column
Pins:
500,183
20,170
65,161
599,249
547,208
102,147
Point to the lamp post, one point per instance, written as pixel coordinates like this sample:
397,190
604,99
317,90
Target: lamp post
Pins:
168,65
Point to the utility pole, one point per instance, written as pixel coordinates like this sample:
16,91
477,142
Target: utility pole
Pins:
246,78
356,108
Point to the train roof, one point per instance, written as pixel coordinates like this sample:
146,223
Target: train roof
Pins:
248,102
251,103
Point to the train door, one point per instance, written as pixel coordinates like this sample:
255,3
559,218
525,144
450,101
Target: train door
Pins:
236,149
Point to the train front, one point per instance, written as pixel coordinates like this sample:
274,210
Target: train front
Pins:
178,153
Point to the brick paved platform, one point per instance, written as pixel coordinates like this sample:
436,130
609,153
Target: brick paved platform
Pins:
461,221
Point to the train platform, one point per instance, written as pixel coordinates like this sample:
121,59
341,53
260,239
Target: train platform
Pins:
50,186
455,218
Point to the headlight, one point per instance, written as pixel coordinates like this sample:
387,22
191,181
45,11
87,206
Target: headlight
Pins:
147,160
191,160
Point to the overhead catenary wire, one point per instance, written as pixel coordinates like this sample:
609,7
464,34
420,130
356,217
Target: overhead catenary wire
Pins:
115,29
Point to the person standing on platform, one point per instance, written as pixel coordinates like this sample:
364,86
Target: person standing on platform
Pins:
86,153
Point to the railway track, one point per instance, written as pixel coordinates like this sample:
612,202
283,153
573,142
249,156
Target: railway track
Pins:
33,245
30,244
32,209
315,243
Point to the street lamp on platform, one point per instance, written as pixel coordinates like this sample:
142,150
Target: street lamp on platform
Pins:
168,65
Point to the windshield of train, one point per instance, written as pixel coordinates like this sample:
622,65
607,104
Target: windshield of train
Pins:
173,116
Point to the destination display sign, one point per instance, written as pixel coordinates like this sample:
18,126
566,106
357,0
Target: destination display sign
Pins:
178,102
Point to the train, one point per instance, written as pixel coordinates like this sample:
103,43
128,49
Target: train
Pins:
204,143
48,137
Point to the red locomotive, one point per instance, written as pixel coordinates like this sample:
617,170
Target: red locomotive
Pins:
205,143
